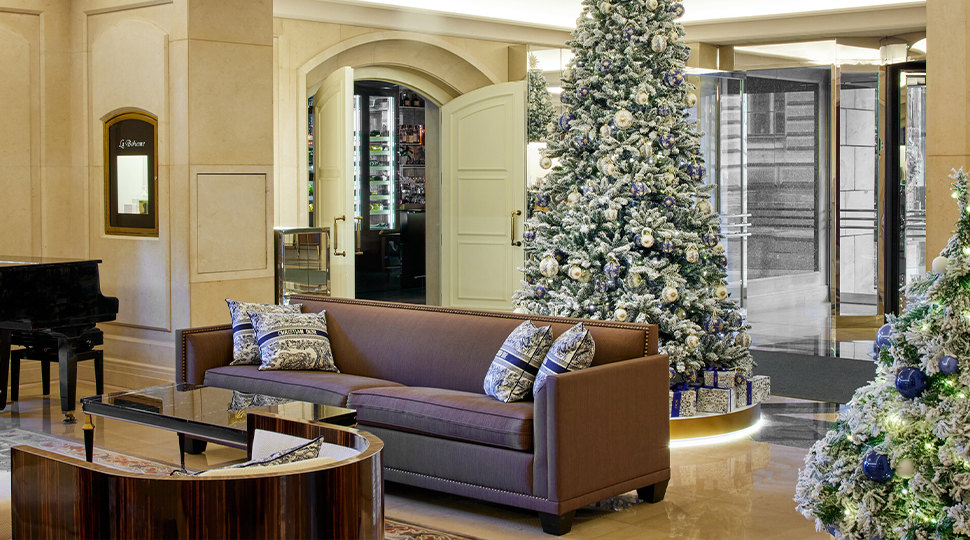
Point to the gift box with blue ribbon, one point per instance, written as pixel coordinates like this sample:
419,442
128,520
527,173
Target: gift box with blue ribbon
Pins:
757,389
720,378
683,401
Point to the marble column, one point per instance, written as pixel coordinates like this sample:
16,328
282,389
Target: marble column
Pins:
221,64
948,121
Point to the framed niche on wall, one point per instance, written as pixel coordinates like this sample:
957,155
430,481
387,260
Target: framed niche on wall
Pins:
131,174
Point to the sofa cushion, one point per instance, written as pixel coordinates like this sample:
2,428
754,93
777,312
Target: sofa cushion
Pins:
514,368
244,348
293,341
450,414
572,351
321,387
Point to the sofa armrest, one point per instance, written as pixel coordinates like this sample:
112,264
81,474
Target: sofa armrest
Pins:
200,349
601,427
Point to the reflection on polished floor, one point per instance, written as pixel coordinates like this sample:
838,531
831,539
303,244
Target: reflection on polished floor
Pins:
807,328
736,490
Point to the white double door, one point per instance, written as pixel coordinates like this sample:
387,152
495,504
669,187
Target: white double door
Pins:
483,193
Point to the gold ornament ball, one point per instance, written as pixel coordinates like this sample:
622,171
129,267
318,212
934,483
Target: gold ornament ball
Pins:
906,468
719,248
690,100
681,314
575,272
620,314
692,342
545,162
743,340
669,294
574,197
692,255
623,119
642,98
610,214
652,4
634,281
720,292
646,239
605,7
704,207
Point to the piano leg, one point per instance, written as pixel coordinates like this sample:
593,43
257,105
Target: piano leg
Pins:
4,366
67,371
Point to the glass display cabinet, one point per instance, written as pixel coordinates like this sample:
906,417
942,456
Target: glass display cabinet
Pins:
302,262
376,153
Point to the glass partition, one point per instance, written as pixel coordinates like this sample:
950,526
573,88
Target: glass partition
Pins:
302,262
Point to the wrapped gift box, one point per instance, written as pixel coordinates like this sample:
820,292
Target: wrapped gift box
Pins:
683,403
720,378
715,400
741,396
757,389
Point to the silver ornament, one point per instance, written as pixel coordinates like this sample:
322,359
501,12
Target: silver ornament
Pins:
605,131
690,100
742,340
620,314
545,162
549,266
692,342
658,43
574,197
609,168
575,272
704,207
642,98
567,73
651,4
610,214
669,294
634,280
719,248
692,254
939,264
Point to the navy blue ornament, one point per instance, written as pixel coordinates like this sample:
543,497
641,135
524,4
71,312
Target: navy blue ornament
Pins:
677,9
667,141
710,239
541,291
684,53
565,119
639,189
601,285
713,324
948,365
636,239
884,335
530,281
560,256
582,92
612,270
542,201
833,530
588,190
606,65
528,235
667,246
582,140
910,382
565,99
669,201
674,78
696,171
630,32
664,110
721,260
876,467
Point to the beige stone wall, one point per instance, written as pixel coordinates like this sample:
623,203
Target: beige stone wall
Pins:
948,117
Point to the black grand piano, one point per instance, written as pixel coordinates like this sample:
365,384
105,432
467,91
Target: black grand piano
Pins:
51,306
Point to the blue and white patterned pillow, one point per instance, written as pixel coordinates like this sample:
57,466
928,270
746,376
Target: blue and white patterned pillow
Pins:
293,341
244,349
514,368
572,351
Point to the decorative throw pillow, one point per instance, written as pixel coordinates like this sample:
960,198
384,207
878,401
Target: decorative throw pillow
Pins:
244,349
572,351
514,368
293,341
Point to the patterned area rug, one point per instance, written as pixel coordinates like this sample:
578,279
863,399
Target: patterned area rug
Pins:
393,529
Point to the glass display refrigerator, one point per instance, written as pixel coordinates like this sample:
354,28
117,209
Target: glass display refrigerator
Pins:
375,185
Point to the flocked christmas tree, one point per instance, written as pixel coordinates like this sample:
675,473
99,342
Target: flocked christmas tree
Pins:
622,228
895,465
541,111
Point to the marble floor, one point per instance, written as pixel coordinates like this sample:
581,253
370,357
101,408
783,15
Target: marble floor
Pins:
736,490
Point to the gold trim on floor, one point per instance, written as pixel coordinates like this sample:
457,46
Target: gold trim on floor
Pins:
709,425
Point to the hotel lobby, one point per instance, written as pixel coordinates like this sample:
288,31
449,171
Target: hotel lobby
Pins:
829,133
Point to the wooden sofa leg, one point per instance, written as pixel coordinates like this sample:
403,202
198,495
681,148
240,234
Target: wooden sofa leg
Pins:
654,493
557,525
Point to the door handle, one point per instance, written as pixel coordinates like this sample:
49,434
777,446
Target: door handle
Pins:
512,229
336,236
357,227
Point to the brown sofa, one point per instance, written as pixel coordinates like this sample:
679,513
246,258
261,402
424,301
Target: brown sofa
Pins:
415,375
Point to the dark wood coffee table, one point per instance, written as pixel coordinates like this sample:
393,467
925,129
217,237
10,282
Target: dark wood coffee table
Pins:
200,414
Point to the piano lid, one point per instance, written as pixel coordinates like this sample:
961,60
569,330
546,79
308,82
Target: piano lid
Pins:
19,260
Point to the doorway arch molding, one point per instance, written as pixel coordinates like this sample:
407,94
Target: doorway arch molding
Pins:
431,65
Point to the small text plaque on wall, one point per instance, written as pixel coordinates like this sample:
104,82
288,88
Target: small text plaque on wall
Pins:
131,174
